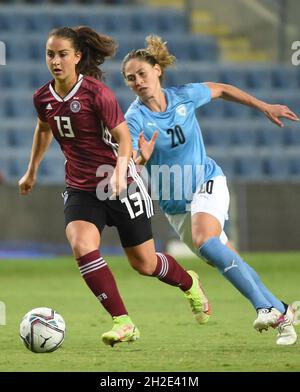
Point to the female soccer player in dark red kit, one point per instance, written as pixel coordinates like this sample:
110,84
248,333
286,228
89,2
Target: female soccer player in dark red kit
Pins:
84,117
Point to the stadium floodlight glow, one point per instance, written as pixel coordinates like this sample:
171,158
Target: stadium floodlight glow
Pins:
2,313
2,53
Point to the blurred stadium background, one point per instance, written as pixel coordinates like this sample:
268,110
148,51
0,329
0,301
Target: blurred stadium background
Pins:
245,42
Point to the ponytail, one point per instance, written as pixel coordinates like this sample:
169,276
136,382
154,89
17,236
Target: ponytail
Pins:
156,52
95,48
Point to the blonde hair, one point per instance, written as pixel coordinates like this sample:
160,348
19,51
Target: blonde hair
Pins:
156,52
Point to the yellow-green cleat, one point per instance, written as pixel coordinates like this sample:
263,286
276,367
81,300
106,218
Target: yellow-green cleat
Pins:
198,300
123,330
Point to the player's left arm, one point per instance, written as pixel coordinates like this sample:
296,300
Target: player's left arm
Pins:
234,94
122,136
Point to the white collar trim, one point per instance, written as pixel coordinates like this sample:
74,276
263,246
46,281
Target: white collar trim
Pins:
71,93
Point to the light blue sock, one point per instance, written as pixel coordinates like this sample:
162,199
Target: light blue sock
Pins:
267,293
233,268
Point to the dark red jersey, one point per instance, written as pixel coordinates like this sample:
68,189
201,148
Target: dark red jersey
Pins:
81,122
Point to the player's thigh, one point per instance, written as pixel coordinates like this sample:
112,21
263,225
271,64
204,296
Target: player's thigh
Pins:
133,231
209,210
84,237
204,226
131,217
85,219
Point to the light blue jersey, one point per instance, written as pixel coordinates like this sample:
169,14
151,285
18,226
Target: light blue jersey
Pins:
179,164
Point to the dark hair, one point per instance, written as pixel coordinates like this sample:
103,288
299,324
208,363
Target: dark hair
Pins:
93,46
156,52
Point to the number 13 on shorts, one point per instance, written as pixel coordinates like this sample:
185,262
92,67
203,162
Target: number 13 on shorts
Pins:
136,201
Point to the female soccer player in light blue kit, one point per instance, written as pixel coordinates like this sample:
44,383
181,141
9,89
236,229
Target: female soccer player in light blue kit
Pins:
191,187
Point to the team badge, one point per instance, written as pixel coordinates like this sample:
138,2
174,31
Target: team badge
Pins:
181,110
75,106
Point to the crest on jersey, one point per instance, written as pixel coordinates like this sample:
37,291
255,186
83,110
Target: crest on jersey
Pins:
181,110
75,106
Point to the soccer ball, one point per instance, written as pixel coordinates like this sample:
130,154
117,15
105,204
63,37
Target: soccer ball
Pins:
42,330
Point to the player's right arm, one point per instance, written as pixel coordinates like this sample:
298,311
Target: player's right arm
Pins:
234,94
145,148
41,140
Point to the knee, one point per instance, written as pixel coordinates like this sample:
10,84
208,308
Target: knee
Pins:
143,267
80,246
200,239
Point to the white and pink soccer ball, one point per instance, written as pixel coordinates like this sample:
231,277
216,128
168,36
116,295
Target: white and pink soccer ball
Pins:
42,330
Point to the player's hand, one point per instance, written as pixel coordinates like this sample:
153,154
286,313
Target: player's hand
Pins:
275,112
26,183
118,185
146,147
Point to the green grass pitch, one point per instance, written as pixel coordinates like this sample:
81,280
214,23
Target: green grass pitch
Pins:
170,338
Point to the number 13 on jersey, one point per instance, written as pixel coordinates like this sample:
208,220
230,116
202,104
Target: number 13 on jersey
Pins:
64,126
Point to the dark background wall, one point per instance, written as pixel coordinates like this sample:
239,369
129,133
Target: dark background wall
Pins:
268,216
265,217
39,218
